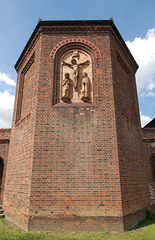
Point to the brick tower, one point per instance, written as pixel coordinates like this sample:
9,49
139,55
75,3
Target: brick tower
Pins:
76,157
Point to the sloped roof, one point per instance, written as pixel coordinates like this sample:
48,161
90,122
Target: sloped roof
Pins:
59,23
151,124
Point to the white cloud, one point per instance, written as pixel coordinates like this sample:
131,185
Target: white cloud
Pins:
144,119
6,100
5,118
143,50
5,78
6,109
150,94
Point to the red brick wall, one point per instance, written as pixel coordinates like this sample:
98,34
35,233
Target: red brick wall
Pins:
29,80
132,163
70,161
149,144
75,167
18,176
4,149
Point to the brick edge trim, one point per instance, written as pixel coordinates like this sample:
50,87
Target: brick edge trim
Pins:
76,40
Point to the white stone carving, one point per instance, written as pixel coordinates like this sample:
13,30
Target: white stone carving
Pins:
66,88
78,64
75,66
85,88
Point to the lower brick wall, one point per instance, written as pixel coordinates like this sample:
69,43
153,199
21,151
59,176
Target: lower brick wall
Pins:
96,224
18,174
12,219
133,219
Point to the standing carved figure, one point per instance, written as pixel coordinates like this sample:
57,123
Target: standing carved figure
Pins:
85,88
75,66
66,85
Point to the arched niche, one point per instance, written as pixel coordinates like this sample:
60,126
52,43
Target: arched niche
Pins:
1,173
153,166
73,74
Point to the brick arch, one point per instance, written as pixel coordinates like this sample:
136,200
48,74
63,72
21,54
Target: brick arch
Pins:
76,40
3,156
152,158
1,165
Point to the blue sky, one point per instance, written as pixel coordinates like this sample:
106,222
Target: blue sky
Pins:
135,20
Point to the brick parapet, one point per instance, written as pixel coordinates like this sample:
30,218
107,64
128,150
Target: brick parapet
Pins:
5,133
60,27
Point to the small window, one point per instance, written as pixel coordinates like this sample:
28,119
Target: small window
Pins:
153,168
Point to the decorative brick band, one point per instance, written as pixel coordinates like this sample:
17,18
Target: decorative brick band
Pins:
21,87
75,40
27,116
123,64
29,63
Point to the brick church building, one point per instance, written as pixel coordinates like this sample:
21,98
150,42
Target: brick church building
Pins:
75,157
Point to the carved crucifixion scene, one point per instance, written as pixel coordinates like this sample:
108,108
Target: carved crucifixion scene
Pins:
76,77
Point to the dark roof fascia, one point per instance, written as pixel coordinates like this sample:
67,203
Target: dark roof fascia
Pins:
73,23
5,129
150,125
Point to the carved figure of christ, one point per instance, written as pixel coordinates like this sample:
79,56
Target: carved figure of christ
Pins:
75,66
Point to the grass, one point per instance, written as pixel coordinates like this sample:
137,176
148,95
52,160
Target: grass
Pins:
144,231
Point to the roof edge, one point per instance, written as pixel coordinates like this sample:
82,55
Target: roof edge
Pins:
74,23
150,124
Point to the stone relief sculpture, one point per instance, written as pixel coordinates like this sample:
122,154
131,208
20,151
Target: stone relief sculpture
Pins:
66,87
85,88
76,65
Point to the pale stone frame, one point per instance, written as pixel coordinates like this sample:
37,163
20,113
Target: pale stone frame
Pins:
76,95
57,59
